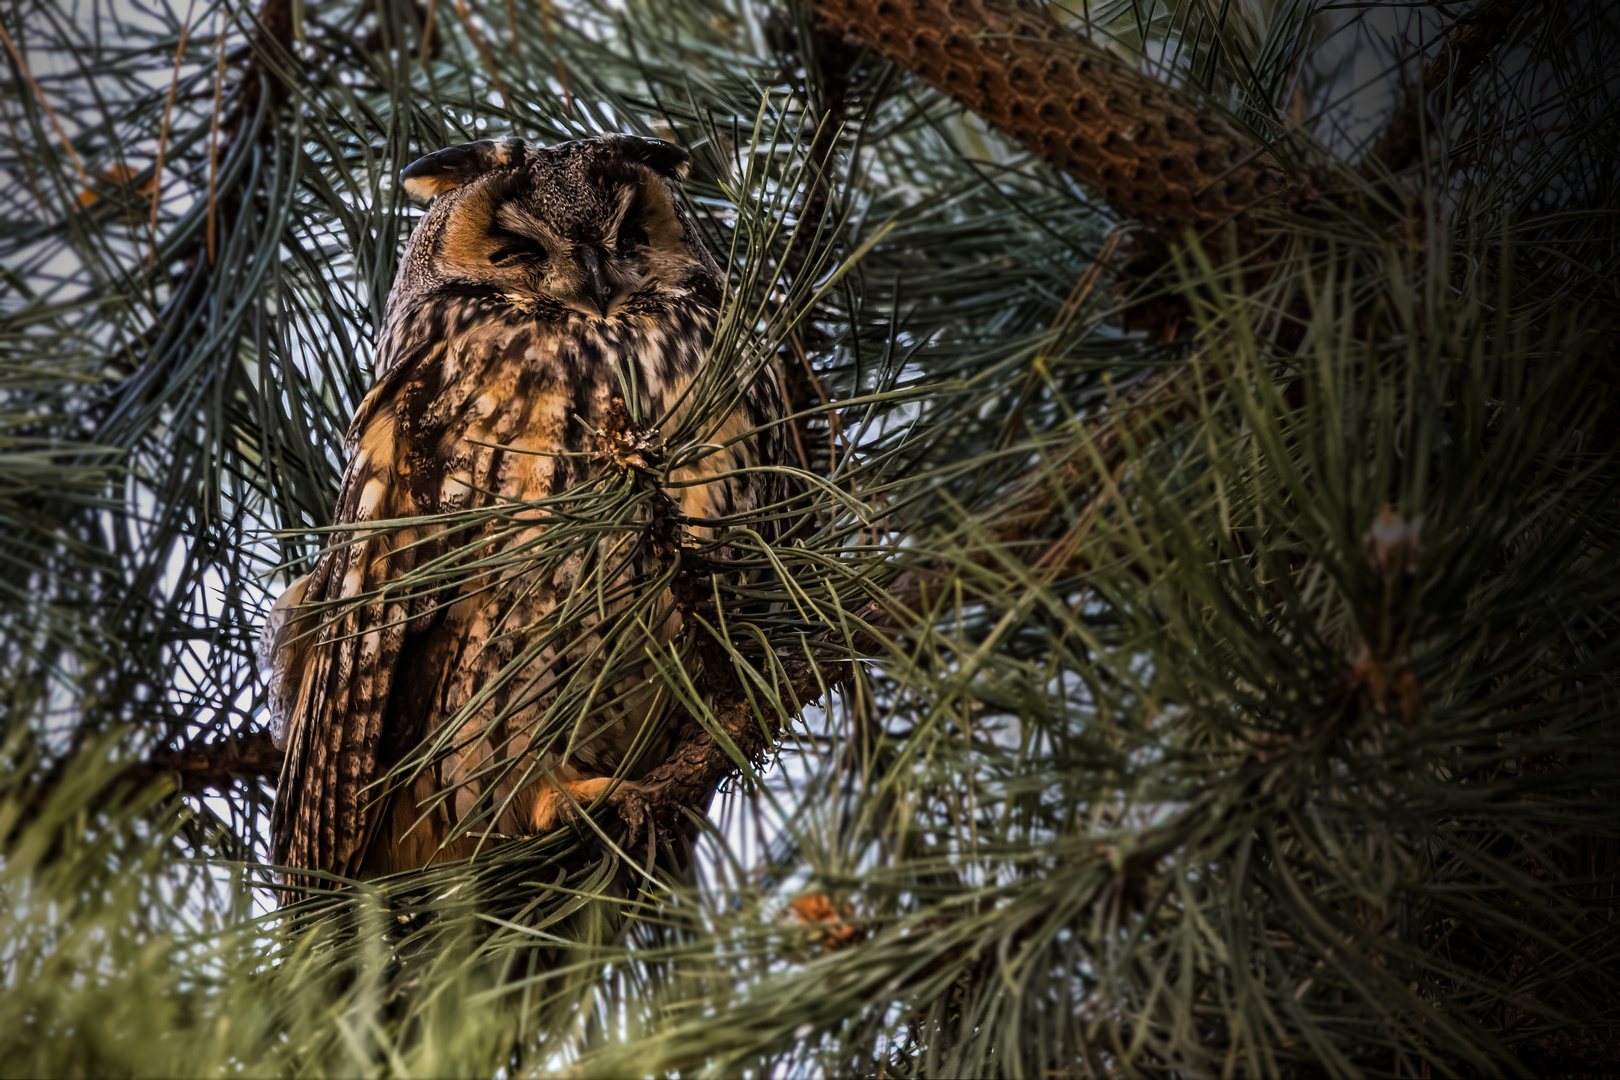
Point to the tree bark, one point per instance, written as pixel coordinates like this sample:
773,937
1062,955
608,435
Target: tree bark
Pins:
213,765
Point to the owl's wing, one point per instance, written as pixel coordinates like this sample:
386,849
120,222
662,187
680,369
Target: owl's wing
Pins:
336,660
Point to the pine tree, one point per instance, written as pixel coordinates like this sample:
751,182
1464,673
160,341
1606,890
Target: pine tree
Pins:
1192,652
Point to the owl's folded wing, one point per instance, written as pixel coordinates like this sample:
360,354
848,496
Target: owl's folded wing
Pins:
335,663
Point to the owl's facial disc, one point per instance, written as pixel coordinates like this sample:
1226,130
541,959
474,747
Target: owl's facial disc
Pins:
583,240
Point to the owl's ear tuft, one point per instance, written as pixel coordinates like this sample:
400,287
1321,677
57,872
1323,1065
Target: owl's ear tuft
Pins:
663,158
447,169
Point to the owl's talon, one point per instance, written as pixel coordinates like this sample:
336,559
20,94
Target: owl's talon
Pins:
553,808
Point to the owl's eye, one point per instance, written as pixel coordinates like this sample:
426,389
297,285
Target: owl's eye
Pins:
515,247
632,235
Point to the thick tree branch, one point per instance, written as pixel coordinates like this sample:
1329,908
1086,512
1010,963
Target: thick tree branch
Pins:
822,64
688,776
212,765
193,768
1145,147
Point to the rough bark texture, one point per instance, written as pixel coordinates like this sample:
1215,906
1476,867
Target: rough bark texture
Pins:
193,768
1145,147
213,765
699,763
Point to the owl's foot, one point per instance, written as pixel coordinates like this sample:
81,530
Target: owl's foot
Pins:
553,806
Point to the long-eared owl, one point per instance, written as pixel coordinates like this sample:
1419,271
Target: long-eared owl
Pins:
548,294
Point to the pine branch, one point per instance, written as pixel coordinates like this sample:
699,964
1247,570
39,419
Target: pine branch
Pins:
1472,38
214,765
1145,147
691,772
195,767
1138,142
1026,520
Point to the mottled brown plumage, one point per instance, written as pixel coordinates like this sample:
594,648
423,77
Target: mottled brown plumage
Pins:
553,304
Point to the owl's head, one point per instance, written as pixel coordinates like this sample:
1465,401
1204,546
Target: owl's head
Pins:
585,226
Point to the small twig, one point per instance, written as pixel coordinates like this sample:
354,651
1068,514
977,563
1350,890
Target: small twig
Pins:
551,38
163,137
39,95
836,439
427,32
1088,280
213,138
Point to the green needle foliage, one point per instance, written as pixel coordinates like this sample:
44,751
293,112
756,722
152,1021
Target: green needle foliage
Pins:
1230,691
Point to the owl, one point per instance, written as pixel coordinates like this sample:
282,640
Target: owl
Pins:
456,677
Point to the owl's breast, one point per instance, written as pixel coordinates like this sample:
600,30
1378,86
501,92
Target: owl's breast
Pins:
511,406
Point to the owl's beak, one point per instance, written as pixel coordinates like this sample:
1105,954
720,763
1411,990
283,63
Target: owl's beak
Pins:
596,283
